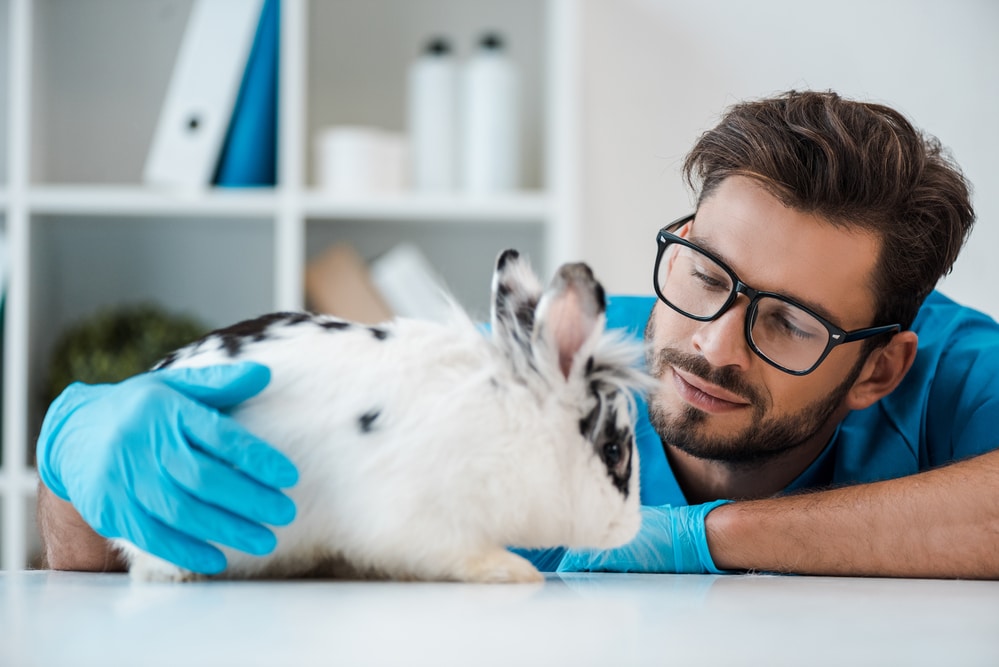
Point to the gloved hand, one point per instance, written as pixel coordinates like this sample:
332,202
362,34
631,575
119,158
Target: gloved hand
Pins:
152,459
671,539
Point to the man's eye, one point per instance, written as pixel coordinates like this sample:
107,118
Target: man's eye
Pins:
709,281
788,327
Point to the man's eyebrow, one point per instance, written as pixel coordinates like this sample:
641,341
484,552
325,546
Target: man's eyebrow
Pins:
817,308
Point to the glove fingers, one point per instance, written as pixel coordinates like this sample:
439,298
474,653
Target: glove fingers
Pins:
162,541
221,386
630,558
172,507
653,549
219,484
224,438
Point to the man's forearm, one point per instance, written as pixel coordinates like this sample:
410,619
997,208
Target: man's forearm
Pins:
68,543
941,523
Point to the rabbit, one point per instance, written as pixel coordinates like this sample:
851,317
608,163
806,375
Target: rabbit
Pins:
426,449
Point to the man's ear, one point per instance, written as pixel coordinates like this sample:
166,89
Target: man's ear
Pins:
883,370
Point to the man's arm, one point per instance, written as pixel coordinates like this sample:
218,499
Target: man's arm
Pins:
68,543
941,523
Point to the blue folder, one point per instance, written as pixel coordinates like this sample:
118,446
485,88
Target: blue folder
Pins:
249,153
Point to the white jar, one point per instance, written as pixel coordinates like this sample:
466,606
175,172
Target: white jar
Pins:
433,118
359,160
490,143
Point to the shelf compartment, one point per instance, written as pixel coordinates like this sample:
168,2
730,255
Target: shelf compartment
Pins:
359,53
100,69
219,270
462,255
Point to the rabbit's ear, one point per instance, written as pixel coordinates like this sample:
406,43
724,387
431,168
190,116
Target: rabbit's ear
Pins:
570,311
516,291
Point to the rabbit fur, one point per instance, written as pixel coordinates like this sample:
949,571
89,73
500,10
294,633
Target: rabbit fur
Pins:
425,449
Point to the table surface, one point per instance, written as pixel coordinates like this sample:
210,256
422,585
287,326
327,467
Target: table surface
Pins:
62,618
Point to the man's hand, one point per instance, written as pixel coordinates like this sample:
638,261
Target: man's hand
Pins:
671,539
152,460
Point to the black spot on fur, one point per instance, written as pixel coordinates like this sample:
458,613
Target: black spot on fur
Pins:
589,422
166,361
379,333
256,328
613,444
600,369
615,447
235,336
505,257
233,344
366,421
335,325
525,314
598,291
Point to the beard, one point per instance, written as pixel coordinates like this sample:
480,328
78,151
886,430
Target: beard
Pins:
765,439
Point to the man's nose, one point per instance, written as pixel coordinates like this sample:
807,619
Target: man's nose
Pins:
722,341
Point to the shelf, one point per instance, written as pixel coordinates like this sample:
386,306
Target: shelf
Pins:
138,200
528,207
521,208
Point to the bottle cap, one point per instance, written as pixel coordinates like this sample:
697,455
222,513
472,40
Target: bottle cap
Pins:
437,46
491,41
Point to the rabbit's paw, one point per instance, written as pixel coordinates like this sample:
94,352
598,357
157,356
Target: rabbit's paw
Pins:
149,568
499,566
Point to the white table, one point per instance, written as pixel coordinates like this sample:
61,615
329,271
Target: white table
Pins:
54,618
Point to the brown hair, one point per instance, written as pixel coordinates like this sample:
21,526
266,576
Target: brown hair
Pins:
854,164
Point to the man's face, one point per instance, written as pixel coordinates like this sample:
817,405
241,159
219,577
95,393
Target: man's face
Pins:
717,399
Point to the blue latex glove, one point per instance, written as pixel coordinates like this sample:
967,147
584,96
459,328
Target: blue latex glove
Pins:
152,459
671,539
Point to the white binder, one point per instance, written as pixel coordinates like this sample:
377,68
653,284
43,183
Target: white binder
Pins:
202,93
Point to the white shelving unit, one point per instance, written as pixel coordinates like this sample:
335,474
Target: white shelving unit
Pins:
81,84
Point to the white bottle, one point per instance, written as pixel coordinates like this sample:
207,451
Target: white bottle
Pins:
433,118
490,143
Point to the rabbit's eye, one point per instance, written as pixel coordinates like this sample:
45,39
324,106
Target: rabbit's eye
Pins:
612,454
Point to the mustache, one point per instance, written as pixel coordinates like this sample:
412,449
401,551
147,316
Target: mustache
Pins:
726,378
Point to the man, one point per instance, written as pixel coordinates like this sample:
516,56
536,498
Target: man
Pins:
785,333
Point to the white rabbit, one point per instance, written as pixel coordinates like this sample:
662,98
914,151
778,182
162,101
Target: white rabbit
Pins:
424,450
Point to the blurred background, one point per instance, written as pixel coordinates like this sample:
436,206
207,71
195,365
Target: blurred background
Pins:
389,164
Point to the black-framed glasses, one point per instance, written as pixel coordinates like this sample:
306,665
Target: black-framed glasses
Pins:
784,333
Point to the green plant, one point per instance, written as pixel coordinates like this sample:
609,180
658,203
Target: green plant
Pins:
116,343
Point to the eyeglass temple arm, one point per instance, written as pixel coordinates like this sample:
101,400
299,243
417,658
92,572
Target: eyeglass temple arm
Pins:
873,331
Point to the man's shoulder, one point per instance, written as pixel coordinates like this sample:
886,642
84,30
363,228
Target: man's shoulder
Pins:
950,397
953,337
941,316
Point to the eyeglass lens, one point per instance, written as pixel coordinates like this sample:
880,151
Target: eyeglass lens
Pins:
699,287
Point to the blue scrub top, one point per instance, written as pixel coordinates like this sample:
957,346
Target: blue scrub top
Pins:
945,409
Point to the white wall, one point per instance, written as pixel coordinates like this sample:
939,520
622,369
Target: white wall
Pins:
657,73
